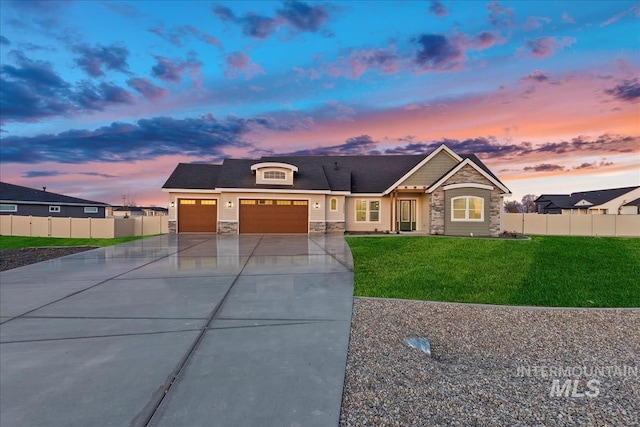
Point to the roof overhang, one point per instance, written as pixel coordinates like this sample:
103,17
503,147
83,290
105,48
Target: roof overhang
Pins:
468,162
264,165
24,202
190,190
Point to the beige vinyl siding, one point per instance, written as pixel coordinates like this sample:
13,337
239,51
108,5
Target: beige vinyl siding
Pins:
432,170
350,215
338,214
463,228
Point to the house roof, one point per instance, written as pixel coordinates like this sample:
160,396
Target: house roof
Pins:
594,198
635,202
18,194
355,174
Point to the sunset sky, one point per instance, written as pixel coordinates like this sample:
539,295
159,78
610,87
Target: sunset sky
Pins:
101,98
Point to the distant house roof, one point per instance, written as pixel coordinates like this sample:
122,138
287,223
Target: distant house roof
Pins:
10,193
127,209
635,202
355,174
592,198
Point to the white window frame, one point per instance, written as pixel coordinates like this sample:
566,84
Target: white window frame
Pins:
266,178
8,208
91,209
333,201
466,209
54,209
368,210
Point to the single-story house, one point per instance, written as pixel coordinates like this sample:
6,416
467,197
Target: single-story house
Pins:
25,201
438,193
616,201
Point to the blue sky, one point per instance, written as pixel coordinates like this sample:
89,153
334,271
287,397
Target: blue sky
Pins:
99,99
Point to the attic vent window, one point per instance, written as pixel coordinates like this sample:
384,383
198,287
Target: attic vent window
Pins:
279,175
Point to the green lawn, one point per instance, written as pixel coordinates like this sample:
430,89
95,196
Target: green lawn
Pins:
544,271
18,242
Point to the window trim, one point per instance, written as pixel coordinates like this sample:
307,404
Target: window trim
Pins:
368,211
91,209
466,209
54,209
11,207
282,177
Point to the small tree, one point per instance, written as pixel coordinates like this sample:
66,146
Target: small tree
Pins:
529,204
512,206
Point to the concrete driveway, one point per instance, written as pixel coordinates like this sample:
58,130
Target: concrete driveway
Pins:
179,330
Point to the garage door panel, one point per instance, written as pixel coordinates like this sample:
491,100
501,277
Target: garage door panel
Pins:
197,216
274,216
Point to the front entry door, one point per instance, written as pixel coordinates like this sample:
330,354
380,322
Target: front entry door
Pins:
407,215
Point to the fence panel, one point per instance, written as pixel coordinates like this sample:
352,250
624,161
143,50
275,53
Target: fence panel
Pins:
102,228
573,225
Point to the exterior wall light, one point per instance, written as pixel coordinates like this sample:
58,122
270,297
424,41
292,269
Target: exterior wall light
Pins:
229,204
316,205
173,204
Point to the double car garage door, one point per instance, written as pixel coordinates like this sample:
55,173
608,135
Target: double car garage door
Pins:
255,216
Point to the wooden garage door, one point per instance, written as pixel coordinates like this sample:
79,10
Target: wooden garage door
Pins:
274,216
197,216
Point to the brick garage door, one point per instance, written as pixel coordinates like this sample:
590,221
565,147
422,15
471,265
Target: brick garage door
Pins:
274,216
197,216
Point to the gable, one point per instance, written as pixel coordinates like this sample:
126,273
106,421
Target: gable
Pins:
440,164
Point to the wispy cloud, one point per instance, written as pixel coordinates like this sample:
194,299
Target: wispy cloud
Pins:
545,167
172,70
240,63
204,137
176,35
626,90
546,46
633,10
296,16
437,8
93,59
147,89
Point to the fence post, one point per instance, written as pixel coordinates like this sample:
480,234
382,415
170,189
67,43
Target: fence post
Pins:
30,228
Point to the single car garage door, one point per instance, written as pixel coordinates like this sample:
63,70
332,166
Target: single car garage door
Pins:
197,216
274,216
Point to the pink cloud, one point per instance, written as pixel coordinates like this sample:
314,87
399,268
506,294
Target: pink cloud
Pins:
240,63
546,46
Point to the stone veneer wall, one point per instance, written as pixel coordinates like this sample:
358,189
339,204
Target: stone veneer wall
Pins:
335,227
466,175
172,224
317,227
227,227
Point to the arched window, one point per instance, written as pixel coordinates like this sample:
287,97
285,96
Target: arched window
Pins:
333,204
467,208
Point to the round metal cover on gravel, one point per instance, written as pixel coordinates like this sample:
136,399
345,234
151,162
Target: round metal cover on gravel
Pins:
421,344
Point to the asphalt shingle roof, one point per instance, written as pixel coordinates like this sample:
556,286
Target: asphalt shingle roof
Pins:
18,193
596,197
356,174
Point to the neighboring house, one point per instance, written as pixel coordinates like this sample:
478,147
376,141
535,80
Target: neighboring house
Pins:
127,211
610,201
134,211
24,201
439,193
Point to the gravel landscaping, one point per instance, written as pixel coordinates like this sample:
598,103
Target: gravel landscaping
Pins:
491,366
13,258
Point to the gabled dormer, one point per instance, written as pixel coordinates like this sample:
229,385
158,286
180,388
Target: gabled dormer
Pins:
583,202
274,173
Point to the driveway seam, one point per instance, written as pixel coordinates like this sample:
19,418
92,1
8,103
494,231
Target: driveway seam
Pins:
175,375
100,336
93,286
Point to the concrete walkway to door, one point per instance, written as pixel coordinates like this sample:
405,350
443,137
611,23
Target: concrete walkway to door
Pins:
179,330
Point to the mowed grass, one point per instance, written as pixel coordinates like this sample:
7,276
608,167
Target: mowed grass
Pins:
544,271
18,242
